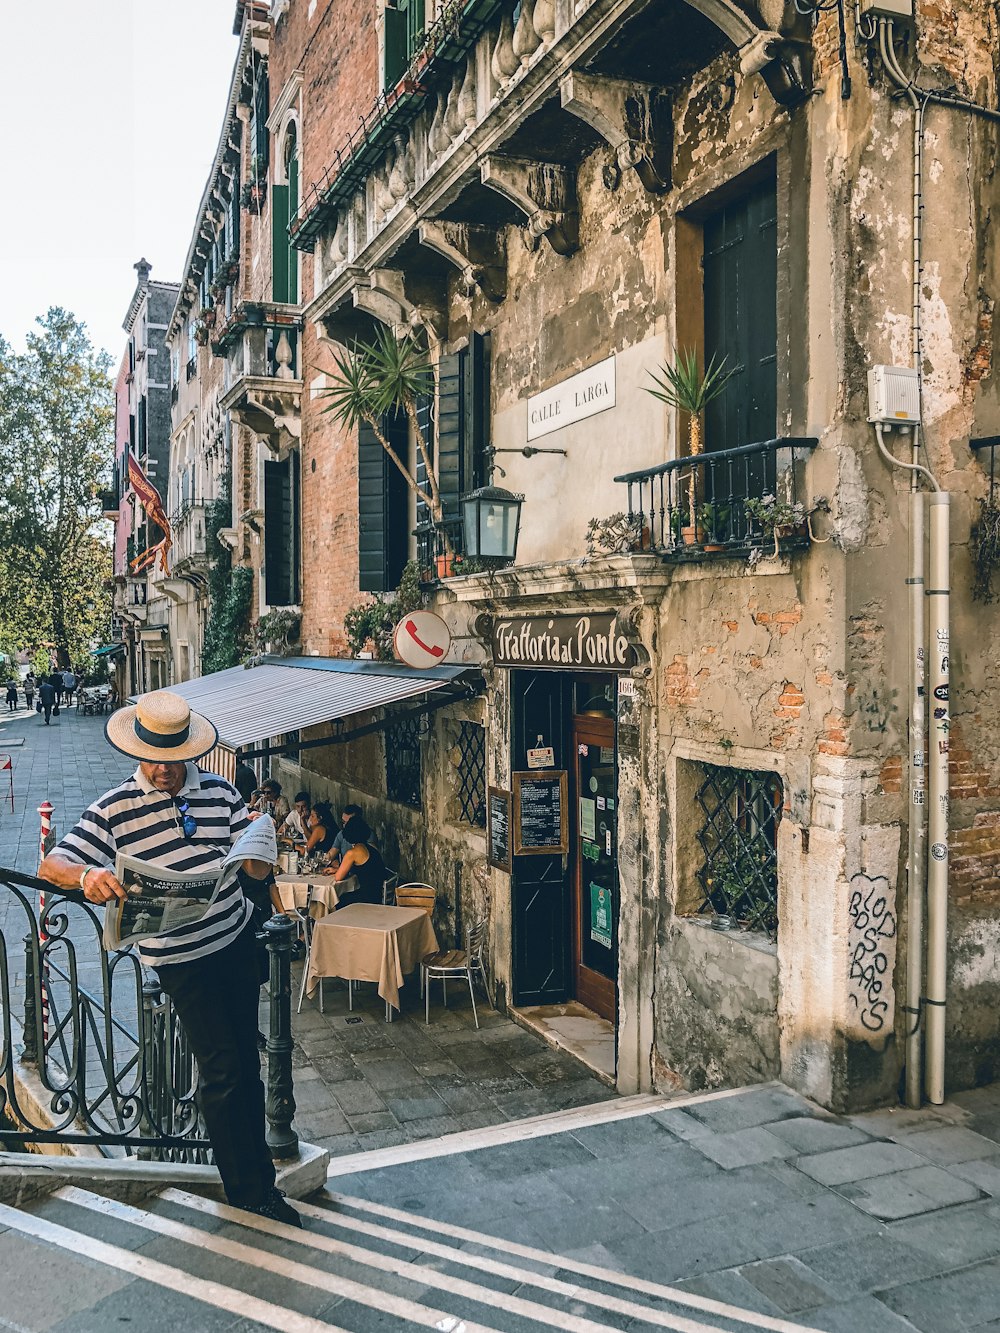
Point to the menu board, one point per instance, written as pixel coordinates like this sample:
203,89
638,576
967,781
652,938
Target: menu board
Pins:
541,815
498,828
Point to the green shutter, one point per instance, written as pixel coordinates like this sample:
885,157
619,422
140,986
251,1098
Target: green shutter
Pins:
383,507
280,539
448,448
293,208
396,57
280,276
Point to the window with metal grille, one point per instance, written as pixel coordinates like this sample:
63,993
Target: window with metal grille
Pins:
739,838
471,773
402,761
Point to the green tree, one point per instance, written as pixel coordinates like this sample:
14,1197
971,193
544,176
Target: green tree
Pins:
56,446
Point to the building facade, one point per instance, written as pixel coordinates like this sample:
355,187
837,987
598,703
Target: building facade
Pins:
142,417
702,730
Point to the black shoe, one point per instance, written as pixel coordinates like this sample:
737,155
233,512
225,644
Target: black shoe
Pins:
298,950
276,1209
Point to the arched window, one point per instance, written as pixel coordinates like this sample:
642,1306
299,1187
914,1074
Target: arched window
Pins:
284,206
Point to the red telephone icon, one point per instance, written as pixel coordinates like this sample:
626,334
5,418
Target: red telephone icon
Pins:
431,648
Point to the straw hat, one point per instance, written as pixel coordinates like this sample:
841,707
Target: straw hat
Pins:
161,728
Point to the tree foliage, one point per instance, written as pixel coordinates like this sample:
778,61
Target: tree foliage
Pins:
56,446
230,591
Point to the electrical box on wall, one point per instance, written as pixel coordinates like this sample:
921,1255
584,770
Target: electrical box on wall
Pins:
893,396
886,9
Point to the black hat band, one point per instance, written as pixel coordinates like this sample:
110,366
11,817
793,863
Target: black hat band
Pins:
159,739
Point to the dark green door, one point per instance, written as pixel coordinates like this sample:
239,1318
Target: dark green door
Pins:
740,275
540,884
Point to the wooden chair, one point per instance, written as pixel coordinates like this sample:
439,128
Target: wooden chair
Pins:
456,963
416,895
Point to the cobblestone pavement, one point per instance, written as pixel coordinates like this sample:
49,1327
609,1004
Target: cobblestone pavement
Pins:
360,1083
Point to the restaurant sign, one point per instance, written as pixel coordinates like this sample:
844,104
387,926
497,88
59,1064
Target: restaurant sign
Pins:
577,642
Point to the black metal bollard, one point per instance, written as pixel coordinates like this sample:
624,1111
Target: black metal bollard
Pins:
280,1107
153,1081
30,1055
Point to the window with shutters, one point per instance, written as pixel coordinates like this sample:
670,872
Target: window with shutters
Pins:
384,521
402,761
282,519
404,34
284,206
462,435
259,138
740,266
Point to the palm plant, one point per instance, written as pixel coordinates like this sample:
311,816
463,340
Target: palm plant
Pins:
684,387
388,374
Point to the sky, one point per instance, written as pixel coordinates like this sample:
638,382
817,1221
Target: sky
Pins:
114,109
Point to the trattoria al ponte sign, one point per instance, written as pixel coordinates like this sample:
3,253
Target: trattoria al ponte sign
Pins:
574,399
578,642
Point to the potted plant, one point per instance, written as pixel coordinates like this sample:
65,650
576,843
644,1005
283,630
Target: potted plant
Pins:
777,518
714,519
616,535
684,387
206,316
986,550
389,374
201,333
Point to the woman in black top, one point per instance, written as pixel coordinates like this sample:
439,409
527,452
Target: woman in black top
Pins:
322,829
364,862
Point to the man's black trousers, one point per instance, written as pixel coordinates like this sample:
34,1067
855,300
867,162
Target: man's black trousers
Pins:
216,1000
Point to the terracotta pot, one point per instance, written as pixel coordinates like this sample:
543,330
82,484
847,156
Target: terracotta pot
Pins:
692,536
444,565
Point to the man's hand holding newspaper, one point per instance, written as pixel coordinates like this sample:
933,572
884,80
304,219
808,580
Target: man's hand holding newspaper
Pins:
155,901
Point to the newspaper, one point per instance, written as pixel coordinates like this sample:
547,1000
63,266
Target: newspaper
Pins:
158,900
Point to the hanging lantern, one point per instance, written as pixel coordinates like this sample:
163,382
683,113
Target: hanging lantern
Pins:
492,517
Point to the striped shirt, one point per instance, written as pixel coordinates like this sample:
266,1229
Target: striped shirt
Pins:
138,820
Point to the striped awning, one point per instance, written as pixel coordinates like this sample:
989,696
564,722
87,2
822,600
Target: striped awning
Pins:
252,704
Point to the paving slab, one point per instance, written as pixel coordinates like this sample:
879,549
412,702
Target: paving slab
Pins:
844,1165
908,1193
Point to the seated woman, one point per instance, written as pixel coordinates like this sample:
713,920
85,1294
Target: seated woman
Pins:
364,862
321,828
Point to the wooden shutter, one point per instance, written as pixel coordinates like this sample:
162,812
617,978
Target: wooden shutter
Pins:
741,265
383,506
280,275
425,420
279,554
395,47
291,210
449,432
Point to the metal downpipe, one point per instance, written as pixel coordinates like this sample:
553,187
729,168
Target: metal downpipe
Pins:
938,672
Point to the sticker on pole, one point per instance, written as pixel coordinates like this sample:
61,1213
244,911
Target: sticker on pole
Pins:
421,639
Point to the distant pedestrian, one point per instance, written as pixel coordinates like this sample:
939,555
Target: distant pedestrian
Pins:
12,696
56,681
30,685
245,781
69,685
47,698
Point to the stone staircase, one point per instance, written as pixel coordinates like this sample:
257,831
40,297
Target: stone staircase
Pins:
356,1265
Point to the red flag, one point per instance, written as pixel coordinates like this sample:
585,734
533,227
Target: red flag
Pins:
149,498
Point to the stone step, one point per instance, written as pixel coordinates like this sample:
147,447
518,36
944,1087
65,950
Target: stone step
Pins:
356,1265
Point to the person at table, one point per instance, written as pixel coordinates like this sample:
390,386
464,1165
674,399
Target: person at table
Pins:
322,829
294,828
364,862
269,801
341,845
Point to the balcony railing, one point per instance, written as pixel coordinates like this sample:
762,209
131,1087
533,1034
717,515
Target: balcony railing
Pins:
697,506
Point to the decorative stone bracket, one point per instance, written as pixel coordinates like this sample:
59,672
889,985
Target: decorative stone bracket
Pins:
545,192
394,300
634,119
269,408
477,252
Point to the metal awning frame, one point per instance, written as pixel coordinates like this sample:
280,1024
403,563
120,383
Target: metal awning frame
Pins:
344,734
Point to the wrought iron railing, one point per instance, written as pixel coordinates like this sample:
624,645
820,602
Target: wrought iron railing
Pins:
93,1053
440,548
697,505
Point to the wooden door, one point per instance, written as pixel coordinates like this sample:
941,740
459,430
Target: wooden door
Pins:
594,857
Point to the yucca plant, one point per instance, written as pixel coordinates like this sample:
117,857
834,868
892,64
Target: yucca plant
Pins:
387,374
684,387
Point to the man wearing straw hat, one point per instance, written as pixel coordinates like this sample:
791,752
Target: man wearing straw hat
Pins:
172,814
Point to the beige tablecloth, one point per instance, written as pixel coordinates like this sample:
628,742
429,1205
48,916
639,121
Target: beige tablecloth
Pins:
367,942
321,892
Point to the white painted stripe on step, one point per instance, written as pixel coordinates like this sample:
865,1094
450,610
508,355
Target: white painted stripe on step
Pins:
238,1303
398,1306
548,1315
516,1131
526,1277
548,1258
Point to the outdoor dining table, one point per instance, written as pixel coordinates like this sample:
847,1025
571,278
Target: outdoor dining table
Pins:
321,892
369,942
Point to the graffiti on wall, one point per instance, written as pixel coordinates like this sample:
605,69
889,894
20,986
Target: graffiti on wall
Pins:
872,951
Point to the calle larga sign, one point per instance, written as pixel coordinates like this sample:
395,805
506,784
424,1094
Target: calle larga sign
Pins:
579,642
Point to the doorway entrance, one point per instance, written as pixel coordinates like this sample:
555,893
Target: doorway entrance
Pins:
593,861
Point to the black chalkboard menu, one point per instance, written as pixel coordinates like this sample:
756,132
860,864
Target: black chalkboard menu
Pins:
498,828
541,813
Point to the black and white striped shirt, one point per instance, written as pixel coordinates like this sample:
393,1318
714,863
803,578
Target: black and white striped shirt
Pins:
137,819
